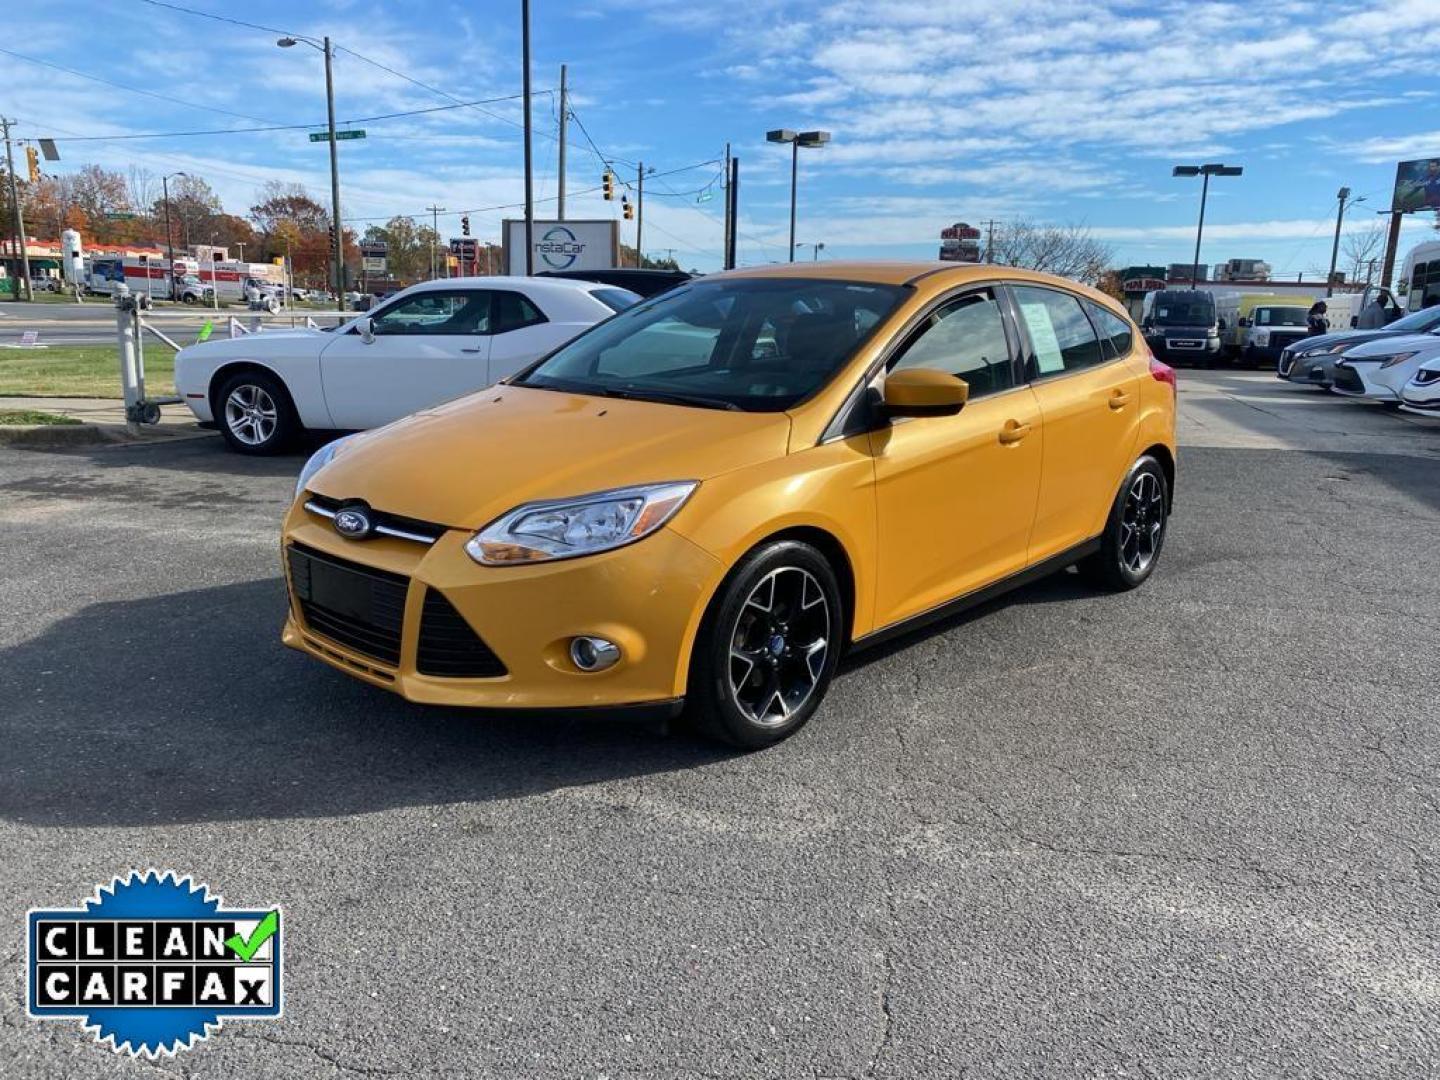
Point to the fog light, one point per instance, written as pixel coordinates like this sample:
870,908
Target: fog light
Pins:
593,653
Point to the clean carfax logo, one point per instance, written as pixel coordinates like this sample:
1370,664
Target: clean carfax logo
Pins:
559,247
152,963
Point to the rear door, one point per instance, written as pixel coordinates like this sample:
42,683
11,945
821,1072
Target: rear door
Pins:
1087,386
428,347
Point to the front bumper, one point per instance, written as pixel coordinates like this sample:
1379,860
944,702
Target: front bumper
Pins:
1310,370
647,597
1356,380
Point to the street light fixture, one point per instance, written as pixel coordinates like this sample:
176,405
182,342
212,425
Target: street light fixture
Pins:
815,250
169,235
1207,171
1343,195
337,241
815,139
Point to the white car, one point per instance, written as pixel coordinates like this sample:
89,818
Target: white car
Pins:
425,345
1422,393
1379,369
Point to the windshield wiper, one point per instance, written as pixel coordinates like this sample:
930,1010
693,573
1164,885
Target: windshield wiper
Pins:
670,398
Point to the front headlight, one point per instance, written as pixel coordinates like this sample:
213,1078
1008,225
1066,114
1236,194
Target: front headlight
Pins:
565,528
1397,358
318,461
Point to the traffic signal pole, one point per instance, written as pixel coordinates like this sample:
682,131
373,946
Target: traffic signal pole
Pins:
17,217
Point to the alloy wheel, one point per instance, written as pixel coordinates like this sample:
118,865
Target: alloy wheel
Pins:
251,414
1142,523
778,646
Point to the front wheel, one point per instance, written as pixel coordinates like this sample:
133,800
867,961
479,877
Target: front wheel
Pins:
768,647
255,413
1135,530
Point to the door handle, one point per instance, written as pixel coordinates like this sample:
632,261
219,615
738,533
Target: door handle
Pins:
1119,399
470,350
1013,432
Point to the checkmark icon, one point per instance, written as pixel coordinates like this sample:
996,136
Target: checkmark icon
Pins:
246,948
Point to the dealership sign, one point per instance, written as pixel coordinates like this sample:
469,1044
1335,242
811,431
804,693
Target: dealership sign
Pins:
563,245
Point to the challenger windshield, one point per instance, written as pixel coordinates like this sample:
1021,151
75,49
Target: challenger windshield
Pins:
759,345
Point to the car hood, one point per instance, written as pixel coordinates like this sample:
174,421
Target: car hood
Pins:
262,344
1391,344
1347,337
465,463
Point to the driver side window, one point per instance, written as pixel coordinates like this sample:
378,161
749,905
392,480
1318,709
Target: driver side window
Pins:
436,312
965,337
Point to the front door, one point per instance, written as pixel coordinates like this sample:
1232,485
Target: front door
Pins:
519,334
956,494
1088,389
426,348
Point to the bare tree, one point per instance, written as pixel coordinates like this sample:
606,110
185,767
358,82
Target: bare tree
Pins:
143,187
1066,250
1361,249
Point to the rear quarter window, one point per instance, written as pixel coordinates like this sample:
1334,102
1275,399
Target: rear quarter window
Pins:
616,299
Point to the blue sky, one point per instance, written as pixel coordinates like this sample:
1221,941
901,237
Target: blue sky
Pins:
941,110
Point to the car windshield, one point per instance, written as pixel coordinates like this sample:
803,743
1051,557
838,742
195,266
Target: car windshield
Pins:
1280,316
1184,312
757,344
1418,322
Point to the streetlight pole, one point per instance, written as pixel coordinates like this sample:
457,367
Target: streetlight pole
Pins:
17,217
796,140
337,238
1342,195
169,235
1206,171
529,159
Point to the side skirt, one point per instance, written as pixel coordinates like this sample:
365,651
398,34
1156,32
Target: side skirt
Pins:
1052,565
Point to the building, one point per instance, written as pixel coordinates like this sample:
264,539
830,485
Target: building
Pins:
1183,273
1249,270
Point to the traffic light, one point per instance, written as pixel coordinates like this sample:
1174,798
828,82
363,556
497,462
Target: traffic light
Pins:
607,181
627,208
465,225
32,156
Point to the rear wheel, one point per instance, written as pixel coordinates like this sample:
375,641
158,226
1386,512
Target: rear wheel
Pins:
768,647
1135,531
255,414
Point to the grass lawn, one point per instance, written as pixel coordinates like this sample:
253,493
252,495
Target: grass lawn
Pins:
80,371
30,416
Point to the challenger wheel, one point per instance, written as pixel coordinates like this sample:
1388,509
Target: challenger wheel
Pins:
254,412
768,647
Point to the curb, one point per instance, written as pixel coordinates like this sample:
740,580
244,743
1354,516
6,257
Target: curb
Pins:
44,436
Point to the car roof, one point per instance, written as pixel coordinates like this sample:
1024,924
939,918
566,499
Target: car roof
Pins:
512,281
931,277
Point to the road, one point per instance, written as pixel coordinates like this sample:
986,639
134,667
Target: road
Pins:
93,322
1186,831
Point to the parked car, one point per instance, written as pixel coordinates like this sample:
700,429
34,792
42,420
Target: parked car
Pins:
1183,325
1311,361
646,283
1379,370
430,343
1422,393
708,498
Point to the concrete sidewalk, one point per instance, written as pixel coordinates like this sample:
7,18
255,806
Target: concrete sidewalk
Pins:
99,420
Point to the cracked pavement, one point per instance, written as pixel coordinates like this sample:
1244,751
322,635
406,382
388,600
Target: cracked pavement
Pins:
1190,831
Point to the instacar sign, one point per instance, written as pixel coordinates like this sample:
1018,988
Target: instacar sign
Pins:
563,245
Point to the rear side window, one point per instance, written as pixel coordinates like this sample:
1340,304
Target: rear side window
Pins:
1061,335
965,337
616,299
512,311
1115,333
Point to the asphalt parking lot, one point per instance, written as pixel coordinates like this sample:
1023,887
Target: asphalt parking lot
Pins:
1187,831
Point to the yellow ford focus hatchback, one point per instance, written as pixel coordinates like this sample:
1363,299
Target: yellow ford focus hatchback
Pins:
705,500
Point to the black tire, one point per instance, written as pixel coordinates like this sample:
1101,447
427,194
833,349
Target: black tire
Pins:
1144,498
269,424
771,699
187,299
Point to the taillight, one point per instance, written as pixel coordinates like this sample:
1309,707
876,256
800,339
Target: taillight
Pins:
1163,373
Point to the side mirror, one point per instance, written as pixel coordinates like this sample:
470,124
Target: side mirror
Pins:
1242,322
366,329
1220,324
924,392
1354,321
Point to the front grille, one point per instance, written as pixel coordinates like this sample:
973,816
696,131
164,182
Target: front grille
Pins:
449,647
352,605
1287,362
405,528
1347,378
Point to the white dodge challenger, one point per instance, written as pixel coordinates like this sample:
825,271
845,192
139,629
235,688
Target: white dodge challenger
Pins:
428,344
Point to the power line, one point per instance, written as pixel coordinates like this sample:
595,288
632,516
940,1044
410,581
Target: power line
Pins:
218,18
278,127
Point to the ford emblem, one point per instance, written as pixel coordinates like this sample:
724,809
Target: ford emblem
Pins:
353,523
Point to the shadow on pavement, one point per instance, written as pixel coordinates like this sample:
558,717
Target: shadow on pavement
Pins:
186,708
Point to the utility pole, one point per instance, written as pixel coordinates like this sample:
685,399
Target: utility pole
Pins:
725,187
733,197
434,235
564,125
339,240
529,160
16,216
990,239
639,214
1342,195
